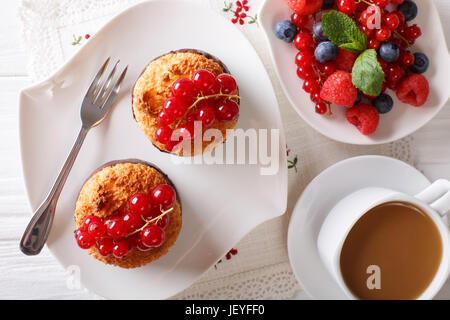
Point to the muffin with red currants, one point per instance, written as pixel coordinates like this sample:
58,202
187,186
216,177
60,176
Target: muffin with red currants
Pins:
180,96
127,214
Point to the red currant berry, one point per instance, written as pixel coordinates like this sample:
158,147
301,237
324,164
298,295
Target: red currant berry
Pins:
303,41
133,221
310,85
364,17
382,3
400,16
203,80
315,97
163,222
184,89
305,72
366,30
85,240
394,73
392,21
407,58
153,213
174,107
206,115
87,221
346,6
120,249
299,20
165,118
77,232
172,145
164,196
105,246
227,111
140,204
383,63
191,115
413,32
321,108
186,131
328,68
304,58
227,83
141,246
116,228
163,134
152,236
96,229
383,34
374,44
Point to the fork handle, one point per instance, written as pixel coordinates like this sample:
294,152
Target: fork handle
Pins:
38,229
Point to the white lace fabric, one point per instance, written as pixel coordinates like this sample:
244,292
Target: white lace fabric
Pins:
260,269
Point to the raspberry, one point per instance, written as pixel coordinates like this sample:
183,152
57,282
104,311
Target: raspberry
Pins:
305,7
364,117
339,89
345,60
413,90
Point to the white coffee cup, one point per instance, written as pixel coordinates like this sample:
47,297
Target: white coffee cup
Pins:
434,201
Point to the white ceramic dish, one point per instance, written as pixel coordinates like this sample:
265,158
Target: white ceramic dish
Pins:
220,203
321,195
403,119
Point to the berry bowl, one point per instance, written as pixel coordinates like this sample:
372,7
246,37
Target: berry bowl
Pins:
400,121
221,203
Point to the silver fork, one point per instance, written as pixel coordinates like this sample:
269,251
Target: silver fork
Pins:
96,105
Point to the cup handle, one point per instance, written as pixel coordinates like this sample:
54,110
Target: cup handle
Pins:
437,196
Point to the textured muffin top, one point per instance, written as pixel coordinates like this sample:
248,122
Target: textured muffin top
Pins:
154,87
107,192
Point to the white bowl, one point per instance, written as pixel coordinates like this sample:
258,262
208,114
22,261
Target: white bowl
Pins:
403,119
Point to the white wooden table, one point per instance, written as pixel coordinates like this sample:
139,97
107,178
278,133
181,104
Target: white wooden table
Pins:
41,277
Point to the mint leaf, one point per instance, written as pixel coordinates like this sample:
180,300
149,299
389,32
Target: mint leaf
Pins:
343,31
367,74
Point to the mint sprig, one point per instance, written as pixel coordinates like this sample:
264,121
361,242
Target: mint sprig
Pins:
367,74
343,31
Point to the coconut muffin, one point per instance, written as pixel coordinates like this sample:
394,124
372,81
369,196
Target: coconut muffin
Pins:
107,193
154,87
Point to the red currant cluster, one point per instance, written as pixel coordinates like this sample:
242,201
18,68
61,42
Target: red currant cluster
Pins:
205,98
393,28
141,227
309,69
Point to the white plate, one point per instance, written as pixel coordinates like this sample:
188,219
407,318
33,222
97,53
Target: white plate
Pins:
220,203
321,195
403,119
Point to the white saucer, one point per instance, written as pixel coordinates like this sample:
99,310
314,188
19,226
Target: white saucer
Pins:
321,195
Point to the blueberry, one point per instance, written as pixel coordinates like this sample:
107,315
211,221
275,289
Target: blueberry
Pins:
327,4
383,103
326,51
318,32
285,30
389,51
358,98
421,63
409,10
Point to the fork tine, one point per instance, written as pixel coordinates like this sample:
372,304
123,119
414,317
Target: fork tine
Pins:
100,98
95,82
114,92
